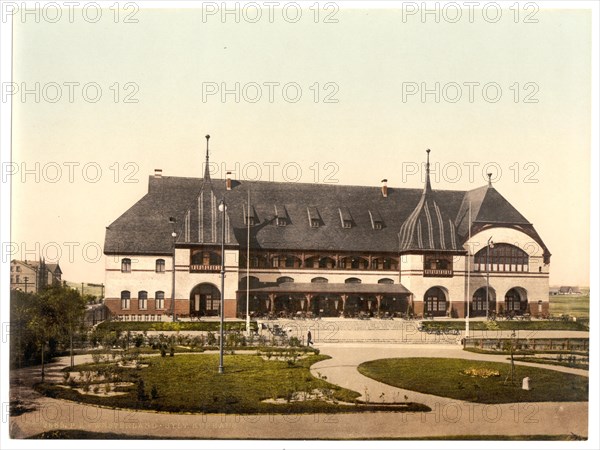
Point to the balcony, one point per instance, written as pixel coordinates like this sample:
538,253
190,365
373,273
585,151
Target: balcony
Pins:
438,273
205,268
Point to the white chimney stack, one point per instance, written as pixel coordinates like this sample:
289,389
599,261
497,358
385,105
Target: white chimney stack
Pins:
157,173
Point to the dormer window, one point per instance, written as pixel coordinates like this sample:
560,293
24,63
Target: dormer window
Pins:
345,217
281,217
249,216
376,220
314,218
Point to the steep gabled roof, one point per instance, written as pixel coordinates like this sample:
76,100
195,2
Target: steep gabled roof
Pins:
490,208
413,220
145,227
427,227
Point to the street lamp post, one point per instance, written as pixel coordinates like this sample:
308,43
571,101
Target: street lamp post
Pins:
223,209
173,221
490,244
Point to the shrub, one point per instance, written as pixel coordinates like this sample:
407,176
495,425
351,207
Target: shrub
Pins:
139,340
141,390
154,392
211,338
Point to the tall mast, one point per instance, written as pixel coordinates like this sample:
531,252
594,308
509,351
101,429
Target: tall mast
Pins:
248,269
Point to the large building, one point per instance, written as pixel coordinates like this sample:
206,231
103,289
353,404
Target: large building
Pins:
322,249
33,276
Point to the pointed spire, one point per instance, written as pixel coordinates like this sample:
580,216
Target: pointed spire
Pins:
206,167
427,180
489,180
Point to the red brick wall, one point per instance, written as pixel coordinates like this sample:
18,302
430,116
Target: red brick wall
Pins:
230,308
114,306
459,308
182,307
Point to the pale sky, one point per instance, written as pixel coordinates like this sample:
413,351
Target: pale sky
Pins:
371,133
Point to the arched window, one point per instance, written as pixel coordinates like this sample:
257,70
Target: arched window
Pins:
286,261
254,283
206,258
515,301
384,264
502,258
285,280
143,300
435,302
326,263
159,297
352,281
385,281
160,266
125,299
354,262
205,300
126,265
319,280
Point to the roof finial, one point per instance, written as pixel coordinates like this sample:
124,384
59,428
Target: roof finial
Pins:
489,179
206,169
427,181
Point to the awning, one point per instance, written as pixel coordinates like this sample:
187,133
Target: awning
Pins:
331,288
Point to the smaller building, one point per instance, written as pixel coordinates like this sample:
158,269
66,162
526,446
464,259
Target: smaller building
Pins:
33,276
569,290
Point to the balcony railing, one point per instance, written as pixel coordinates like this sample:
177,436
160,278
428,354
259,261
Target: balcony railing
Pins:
203,268
438,273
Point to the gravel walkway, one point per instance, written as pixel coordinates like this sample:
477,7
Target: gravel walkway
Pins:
448,418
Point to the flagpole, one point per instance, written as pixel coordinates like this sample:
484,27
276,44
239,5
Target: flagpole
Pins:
248,270
468,278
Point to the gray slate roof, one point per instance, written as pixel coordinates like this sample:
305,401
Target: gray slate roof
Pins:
332,288
145,229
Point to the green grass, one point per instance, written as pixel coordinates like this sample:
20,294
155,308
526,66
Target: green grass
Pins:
444,377
505,325
174,326
191,383
574,305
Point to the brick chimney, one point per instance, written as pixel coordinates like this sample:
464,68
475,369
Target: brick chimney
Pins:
228,181
384,188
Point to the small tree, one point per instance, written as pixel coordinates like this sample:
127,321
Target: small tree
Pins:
154,392
141,390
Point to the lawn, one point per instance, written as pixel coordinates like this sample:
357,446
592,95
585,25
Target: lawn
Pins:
574,305
174,326
191,383
445,377
505,325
